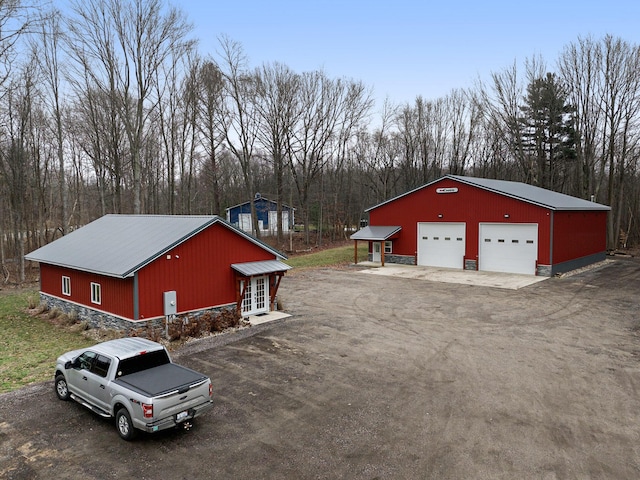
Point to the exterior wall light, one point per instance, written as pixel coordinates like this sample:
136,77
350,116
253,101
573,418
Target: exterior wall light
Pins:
506,215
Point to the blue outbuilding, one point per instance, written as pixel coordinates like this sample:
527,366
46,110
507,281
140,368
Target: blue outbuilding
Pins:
267,213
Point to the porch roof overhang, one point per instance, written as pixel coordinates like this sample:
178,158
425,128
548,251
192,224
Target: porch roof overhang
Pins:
251,269
376,233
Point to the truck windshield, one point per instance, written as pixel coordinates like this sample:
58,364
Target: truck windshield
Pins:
142,362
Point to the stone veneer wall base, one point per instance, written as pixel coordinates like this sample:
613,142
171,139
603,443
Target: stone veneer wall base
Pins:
97,319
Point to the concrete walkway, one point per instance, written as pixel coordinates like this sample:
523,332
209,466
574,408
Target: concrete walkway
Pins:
510,281
267,317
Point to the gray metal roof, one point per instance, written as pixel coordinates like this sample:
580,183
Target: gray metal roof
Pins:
249,269
375,233
519,191
284,205
119,245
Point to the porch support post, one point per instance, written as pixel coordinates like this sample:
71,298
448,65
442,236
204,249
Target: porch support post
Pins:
274,291
382,252
241,292
355,252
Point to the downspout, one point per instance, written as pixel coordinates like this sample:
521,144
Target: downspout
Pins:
551,242
136,299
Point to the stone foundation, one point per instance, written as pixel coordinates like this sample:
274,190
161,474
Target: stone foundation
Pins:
98,319
470,264
544,270
398,259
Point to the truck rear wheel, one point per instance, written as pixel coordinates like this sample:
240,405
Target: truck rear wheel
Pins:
125,425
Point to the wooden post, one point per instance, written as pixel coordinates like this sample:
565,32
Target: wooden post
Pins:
382,252
277,276
355,253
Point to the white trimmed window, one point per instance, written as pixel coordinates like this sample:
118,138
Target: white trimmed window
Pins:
388,246
66,286
96,293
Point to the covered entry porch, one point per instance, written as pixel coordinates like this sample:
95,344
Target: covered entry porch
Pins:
377,237
257,285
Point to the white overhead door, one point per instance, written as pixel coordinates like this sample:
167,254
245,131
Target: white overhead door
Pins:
441,244
508,247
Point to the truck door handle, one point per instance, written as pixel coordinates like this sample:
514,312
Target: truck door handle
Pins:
84,378
102,387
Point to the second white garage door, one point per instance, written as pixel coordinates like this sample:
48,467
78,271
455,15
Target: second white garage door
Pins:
441,244
508,247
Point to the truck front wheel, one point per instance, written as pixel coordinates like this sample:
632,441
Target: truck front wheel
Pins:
62,390
125,425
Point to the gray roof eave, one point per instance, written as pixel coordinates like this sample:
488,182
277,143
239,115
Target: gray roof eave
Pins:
577,204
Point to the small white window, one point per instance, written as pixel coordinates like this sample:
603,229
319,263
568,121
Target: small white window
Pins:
388,246
66,286
96,293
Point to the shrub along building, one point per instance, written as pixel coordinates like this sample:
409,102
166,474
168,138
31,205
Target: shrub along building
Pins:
124,270
491,225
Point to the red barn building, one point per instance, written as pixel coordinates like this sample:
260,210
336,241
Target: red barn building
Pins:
492,225
123,269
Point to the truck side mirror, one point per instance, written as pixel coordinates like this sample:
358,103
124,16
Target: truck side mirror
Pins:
68,364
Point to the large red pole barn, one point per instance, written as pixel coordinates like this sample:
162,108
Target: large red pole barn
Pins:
491,225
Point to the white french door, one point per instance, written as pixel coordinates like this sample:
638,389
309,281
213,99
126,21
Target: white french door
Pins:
256,296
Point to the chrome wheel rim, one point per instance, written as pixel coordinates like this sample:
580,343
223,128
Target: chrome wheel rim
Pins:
62,388
123,425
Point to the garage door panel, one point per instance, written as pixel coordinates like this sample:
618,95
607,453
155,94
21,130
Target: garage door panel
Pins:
441,244
511,248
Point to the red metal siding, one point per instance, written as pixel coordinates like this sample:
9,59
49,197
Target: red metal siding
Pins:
578,234
117,294
198,270
469,204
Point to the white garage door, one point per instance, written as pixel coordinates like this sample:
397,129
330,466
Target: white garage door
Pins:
508,247
441,244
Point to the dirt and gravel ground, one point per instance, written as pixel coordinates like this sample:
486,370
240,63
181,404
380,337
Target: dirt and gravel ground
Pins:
385,378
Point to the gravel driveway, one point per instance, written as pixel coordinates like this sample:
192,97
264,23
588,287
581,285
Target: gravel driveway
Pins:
378,377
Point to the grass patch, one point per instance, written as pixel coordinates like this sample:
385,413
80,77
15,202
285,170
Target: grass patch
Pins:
29,345
329,257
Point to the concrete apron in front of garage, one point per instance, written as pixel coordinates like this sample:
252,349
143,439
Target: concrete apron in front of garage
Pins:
510,281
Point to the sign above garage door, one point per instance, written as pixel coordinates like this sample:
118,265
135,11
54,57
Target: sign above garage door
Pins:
508,247
441,244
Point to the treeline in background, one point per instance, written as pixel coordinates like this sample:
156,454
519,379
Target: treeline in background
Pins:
110,107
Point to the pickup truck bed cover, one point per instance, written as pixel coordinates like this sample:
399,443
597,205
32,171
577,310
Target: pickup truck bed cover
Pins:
162,379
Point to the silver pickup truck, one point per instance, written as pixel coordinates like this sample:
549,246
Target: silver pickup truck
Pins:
133,380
